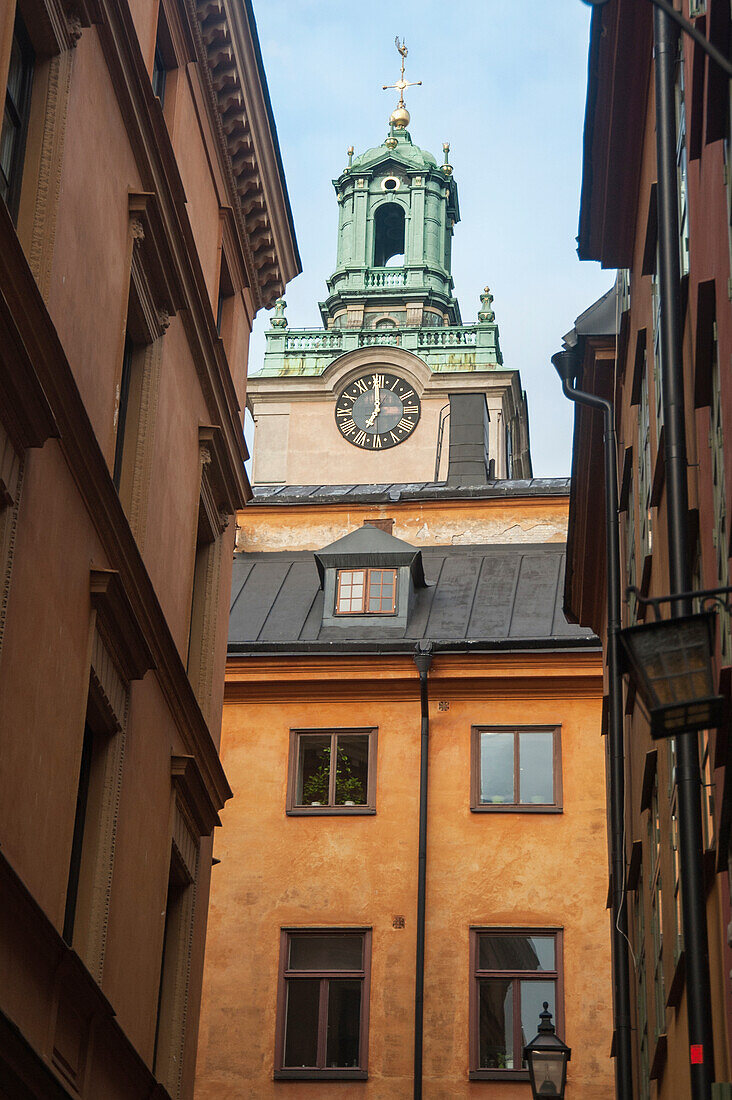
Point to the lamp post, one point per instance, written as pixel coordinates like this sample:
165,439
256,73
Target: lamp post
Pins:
688,780
547,1056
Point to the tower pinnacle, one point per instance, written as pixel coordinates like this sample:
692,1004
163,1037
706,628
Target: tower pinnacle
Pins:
399,118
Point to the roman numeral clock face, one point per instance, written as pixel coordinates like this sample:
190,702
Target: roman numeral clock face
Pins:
377,411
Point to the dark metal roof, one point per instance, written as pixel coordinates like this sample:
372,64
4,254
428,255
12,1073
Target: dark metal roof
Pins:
477,598
421,490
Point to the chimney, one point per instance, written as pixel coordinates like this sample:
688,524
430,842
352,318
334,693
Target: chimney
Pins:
468,462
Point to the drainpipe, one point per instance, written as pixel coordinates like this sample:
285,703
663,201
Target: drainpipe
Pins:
567,364
422,659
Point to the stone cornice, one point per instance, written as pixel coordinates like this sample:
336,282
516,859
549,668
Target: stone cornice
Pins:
227,51
458,676
21,300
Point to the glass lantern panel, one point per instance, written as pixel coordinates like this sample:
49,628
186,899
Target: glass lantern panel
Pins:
548,1072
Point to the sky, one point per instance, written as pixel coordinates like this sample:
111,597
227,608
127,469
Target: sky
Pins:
505,84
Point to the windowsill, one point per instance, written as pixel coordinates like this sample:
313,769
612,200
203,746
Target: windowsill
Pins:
322,1075
330,811
498,1075
513,808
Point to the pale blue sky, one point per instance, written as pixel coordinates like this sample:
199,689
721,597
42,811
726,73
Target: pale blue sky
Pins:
505,84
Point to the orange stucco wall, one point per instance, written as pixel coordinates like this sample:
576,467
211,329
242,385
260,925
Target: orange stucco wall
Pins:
422,523
514,869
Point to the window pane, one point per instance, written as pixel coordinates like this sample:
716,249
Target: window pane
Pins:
536,768
496,767
352,770
8,138
344,1022
341,951
533,995
301,1024
351,589
496,1024
313,771
515,952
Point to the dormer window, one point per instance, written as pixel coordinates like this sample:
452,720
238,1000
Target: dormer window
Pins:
369,573
366,592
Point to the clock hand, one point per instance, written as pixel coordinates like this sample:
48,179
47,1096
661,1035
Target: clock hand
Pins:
377,406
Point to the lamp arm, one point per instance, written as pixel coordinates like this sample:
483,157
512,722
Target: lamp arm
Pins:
716,55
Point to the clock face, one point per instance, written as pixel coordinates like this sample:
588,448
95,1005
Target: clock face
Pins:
377,411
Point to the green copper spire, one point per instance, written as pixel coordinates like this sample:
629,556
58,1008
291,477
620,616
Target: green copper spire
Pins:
392,282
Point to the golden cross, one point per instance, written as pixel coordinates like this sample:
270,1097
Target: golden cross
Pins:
401,84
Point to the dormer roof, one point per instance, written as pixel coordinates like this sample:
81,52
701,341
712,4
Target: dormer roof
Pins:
370,548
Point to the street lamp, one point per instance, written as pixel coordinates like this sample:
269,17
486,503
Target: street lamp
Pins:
547,1058
670,661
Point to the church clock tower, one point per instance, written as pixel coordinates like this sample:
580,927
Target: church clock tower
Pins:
371,397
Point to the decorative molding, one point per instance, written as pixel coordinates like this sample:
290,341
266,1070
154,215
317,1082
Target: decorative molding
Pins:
142,462
108,681
192,792
119,626
238,105
219,479
55,110
93,941
59,24
10,462
8,531
155,255
185,844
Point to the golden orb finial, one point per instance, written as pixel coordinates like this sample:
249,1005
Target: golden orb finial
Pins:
400,117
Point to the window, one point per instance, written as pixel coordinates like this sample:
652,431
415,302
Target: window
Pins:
204,564
322,1011
516,768
513,972
159,74
681,166
657,342
332,772
126,386
720,536
224,303
77,843
15,118
630,566
177,930
164,63
707,778
654,838
99,765
644,466
389,234
642,1010
366,592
